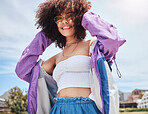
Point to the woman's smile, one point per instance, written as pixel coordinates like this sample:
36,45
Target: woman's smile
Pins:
66,27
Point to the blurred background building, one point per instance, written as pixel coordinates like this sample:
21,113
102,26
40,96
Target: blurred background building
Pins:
136,98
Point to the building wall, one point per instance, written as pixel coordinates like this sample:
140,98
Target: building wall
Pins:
124,96
136,94
144,101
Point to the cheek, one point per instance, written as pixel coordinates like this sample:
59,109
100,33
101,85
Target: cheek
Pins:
58,26
59,29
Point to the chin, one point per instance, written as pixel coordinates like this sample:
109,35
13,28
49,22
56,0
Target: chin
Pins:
67,34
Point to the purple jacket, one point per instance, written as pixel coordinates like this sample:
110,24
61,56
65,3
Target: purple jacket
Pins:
104,90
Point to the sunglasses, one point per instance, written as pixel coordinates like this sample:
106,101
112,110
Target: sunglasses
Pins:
68,17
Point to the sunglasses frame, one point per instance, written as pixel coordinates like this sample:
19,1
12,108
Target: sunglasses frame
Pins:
62,17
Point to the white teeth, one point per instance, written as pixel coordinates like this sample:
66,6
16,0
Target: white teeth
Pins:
66,27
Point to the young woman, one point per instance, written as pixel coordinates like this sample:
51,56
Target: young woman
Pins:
78,79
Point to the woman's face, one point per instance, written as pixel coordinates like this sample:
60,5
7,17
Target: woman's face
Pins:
65,24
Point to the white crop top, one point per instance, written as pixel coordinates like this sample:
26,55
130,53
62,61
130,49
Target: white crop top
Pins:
72,72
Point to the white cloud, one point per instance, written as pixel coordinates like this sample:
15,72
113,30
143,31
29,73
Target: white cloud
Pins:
6,69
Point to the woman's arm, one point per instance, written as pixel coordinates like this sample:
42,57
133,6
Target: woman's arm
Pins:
49,65
109,40
30,56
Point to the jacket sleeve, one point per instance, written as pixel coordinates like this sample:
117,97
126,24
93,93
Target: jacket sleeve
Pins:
109,40
30,56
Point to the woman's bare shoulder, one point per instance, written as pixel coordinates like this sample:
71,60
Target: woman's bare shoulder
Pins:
91,41
49,64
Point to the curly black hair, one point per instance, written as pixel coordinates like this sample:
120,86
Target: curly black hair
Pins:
51,8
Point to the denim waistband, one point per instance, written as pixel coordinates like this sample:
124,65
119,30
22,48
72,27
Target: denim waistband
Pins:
73,100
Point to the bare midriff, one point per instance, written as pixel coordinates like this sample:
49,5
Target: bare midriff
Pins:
74,92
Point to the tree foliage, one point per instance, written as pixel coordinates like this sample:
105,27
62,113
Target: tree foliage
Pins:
17,102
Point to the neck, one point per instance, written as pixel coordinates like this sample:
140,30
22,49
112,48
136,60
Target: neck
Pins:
70,40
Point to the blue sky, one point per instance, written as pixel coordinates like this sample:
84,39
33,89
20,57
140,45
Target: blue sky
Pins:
17,30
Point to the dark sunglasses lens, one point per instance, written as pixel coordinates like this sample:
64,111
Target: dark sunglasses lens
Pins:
58,19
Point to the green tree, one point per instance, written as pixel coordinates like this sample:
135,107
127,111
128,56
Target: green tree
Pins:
17,102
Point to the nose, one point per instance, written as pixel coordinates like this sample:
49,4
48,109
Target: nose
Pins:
64,20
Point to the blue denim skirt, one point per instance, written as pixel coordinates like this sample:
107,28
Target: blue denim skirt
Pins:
74,105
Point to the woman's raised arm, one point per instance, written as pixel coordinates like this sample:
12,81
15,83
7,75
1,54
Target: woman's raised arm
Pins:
109,40
30,56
